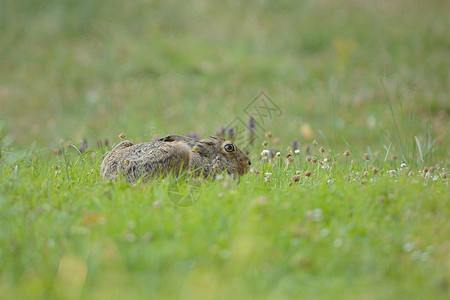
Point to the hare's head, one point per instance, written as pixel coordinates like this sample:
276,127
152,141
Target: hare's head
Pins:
228,156
217,153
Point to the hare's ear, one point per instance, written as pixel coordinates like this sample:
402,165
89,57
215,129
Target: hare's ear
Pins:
173,138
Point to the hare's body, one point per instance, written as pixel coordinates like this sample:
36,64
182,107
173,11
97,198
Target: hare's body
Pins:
174,154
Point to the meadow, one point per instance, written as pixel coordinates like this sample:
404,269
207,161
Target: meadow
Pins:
348,193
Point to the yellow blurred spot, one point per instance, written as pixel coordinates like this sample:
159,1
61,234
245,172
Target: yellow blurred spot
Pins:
307,131
70,278
344,48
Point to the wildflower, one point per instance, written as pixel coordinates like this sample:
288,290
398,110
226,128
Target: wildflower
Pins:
411,173
231,133
267,179
220,132
308,158
278,154
431,170
268,174
314,159
254,171
321,149
294,144
366,174
408,247
325,167
295,178
329,181
193,135
337,243
297,151
314,215
326,159
251,125
298,172
268,134
265,153
392,172
347,153
366,156
84,146
265,143
374,171
425,170
403,165
307,173
290,159
122,136
394,157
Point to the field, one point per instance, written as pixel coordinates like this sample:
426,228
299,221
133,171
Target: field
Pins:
359,88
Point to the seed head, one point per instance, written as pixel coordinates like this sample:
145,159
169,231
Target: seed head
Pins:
365,174
346,153
374,171
314,159
122,136
307,173
425,170
268,134
308,158
295,178
265,143
366,156
394,157
321,149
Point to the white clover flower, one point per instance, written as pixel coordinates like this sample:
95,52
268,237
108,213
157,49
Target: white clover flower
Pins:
325,167
278,154
297,151
326,160
403,165
268,174
408,247
324,232
329,181
337,243
265,153
392,172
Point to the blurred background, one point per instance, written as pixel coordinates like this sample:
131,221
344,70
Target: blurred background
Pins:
74,69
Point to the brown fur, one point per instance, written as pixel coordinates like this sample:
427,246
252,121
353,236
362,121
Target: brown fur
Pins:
173,154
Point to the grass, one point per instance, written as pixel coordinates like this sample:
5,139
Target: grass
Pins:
371,77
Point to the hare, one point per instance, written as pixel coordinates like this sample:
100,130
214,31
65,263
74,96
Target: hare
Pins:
174,154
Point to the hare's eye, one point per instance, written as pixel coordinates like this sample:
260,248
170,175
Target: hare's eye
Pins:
229,147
